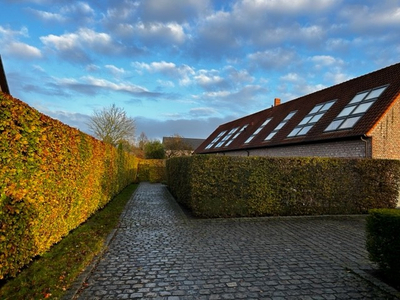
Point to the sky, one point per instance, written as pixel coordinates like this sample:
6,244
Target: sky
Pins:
187,66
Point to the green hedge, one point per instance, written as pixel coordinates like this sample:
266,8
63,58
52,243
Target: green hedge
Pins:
52,178
152,170
383,242
227,186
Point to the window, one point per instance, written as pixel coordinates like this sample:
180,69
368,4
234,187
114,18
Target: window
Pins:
226,137
280,125
236,135
216,139
257,131
311,119
355,109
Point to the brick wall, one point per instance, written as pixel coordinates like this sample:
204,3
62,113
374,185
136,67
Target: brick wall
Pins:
350,149
386,135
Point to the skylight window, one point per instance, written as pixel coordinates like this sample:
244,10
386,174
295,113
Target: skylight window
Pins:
226,137
257,131
355,109
236,135
280,125
216,139
311,119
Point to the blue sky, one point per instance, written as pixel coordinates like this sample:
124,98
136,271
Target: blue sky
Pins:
185,67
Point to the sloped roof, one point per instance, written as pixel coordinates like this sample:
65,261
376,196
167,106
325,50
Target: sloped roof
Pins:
193,143
236,135
3,80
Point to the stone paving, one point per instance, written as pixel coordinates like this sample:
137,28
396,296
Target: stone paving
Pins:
159,252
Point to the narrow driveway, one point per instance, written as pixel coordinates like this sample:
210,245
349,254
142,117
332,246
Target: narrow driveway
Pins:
160,253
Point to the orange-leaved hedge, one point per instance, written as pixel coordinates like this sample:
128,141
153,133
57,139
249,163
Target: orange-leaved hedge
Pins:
52,178
227,186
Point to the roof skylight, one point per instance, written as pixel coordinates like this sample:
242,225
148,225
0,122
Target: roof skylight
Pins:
216,139
226,137
257,131
280,125
355,109
236,135
311,119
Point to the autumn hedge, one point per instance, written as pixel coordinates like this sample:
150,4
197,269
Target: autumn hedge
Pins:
52,178
225,186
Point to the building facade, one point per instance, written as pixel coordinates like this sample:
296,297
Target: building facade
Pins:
359,118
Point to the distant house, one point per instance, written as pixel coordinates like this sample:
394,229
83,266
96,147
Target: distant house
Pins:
3,80
359,118
180,146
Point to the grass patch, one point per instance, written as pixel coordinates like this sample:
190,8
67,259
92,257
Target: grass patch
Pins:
50,275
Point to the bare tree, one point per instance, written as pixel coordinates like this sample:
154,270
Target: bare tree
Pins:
176,142
112,125
142,140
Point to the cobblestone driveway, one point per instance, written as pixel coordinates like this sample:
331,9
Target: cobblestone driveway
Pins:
160,253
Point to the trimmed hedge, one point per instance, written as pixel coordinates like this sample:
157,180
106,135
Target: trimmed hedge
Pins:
52,178
383,243
228,186
152,170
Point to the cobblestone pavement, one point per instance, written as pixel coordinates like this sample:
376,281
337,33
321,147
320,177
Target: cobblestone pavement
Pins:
160,253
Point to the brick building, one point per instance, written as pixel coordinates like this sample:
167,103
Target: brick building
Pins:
359,118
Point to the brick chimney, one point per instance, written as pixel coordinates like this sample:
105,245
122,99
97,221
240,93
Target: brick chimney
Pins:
277,101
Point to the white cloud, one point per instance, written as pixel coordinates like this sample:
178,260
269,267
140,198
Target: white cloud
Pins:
236,100
295,90
47,16
370,19
217,35
320,61
121,11
78,8
272,59
261,24
72,119
63,42
159,33
238,76
291,77
92,68
151,33
310,88
94,40
8,33
114,70
124,87
210,79
22,50
164,67
166,83
255,8
202,111
336,77
79,13
183,72
75,46
90,85
218,94
337,44
295,33
179,11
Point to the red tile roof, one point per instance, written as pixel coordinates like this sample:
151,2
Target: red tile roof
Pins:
343,93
